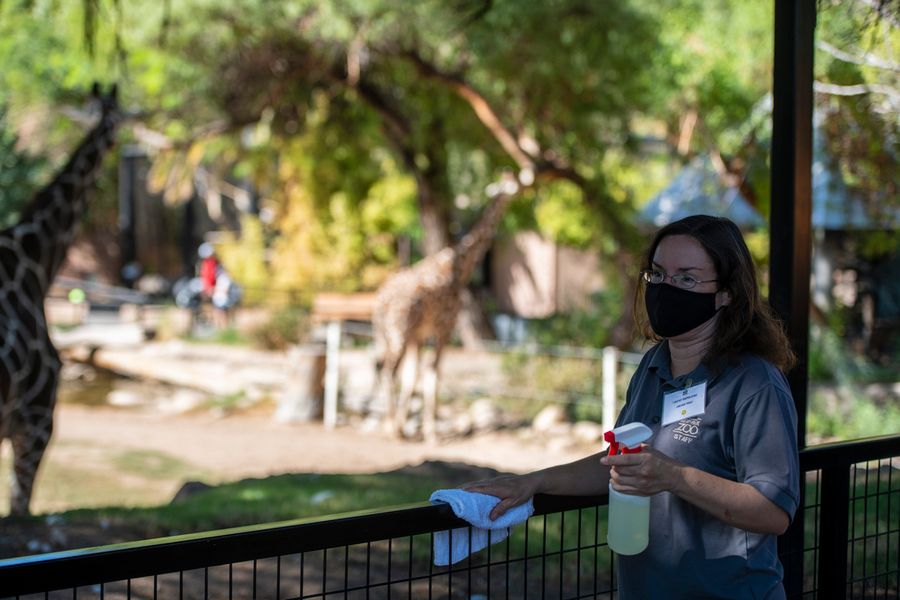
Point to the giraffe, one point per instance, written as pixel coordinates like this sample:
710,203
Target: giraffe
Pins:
31,252
422,302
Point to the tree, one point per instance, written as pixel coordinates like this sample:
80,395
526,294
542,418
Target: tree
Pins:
326,105
20,174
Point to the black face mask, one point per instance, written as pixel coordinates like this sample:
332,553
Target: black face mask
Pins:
674,311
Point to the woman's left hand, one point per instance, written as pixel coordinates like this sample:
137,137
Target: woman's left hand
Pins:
645,473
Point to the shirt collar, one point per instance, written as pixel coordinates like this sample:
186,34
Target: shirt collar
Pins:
661,363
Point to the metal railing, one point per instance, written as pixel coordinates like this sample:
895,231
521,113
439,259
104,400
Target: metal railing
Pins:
848,546
847,543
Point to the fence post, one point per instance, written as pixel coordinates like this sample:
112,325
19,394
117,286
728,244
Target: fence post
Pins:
608,384
332,372
833,529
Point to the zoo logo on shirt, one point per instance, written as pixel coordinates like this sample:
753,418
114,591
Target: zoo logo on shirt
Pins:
687,430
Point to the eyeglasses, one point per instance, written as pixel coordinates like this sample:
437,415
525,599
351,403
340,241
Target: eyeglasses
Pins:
679,280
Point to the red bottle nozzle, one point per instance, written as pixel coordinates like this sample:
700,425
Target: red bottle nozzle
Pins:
627,439
610,437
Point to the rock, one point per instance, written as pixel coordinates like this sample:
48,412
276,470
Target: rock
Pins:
38,547
321,496
485,415
587,432
549,416
189,489
58,538
124,398
560,444
72,371
560,430
411,427
181,401
371,424
462,425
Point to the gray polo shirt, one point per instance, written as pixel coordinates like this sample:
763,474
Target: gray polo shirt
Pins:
747,434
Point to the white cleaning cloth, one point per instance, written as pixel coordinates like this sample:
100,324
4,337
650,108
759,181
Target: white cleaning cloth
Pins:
476,509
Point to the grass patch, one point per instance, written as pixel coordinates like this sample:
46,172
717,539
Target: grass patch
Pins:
276,498
152,465
227,336
95,477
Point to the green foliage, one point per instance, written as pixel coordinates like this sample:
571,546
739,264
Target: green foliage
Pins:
229,402
562,216
571,382
20,174
287,326
227,336
389,210
831,361
585,327
244,258
840,407
554,377
848,415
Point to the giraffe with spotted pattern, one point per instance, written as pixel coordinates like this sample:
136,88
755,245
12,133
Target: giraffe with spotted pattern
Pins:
420,304
31,253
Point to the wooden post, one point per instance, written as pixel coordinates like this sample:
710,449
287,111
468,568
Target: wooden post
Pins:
334,309
608,384
332,372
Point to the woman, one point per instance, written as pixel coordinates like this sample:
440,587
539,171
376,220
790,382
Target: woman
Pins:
723,471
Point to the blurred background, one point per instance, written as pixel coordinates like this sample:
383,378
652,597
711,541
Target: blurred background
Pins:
312,148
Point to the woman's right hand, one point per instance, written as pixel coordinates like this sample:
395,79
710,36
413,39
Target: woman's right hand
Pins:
512,490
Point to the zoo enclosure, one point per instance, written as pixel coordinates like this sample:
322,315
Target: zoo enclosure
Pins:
850,549
349,376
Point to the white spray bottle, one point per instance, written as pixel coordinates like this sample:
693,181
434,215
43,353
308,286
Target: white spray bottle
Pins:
629,515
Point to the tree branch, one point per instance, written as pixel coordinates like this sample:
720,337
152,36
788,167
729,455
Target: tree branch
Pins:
866,59
398,133
480,105
881,7
544,168
856,90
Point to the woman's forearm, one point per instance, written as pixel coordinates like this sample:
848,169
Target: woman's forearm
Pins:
584,477
737,504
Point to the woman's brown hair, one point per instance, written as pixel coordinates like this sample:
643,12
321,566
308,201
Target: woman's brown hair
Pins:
747,324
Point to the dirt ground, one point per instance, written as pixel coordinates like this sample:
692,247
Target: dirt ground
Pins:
88,461
254,445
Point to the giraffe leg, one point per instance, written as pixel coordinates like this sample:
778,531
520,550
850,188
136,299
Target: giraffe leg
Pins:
410,376
28,442
387,388
31,425
430,392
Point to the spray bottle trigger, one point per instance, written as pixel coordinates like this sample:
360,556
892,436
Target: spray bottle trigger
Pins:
610,437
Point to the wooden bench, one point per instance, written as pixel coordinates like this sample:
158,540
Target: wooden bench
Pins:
329,306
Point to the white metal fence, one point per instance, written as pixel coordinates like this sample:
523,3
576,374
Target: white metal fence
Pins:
497,371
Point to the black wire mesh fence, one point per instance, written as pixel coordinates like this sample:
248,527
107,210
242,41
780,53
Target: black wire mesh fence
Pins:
559,553
844,544
847,543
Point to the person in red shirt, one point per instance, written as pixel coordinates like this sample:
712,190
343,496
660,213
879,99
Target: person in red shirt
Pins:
209,269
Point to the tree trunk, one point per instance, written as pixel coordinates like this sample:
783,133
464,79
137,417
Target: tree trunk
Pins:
472,325
433,211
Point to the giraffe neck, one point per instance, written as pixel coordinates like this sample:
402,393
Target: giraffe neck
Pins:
472,247
48,223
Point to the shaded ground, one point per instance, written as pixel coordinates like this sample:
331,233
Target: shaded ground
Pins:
104,456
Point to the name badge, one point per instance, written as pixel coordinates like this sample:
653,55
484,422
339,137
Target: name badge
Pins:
684,403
